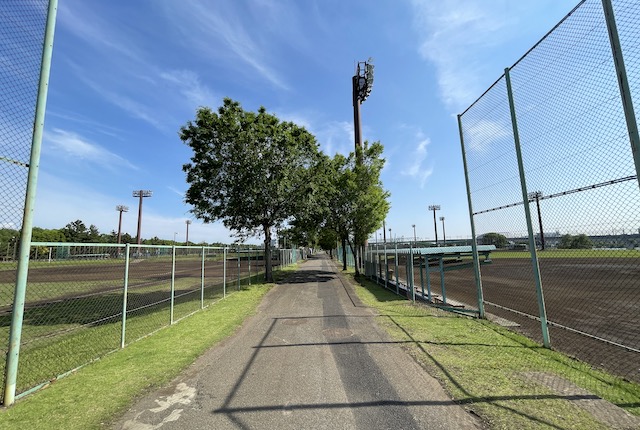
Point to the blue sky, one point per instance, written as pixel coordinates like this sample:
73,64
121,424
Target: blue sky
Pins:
126,75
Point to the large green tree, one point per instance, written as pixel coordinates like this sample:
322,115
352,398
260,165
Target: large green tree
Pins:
250,170
358,202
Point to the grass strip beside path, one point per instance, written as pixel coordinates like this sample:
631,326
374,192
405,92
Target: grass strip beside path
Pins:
90,398
492,371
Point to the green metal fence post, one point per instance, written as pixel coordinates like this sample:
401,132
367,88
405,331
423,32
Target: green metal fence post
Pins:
474,242
525,198
224,272
237,251
386,268
202,281
421,277
623,84
442,287
17,316
397,283
249,258
428,276
411,281
124,296
173,282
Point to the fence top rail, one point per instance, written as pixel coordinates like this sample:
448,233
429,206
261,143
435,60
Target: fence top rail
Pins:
123,245
442,250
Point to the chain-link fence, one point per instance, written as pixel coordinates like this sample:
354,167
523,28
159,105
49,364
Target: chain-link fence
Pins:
85,300
553,185
22,36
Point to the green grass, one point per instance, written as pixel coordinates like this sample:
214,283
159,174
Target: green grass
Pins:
484,366
91,397
99,391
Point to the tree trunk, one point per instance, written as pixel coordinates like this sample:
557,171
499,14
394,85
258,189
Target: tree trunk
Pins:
354,251
268,268
344,254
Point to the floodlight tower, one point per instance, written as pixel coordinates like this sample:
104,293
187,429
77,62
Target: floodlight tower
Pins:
141,194
121,208
435,208
537,195
187,222
362,83
444,234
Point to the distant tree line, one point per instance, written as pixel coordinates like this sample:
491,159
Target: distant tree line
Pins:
77,232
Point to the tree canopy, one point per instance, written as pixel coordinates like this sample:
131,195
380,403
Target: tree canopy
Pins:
250,170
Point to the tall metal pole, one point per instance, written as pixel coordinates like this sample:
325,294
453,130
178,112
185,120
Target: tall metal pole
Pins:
384,232
141,194
444,234
474,243
15,334
537,195
120,208
623,84
187,222
415,240
435,208
525,198
357,130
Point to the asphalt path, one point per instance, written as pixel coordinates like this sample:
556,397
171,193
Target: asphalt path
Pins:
312,358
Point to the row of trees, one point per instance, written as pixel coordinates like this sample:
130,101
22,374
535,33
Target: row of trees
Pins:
256,173
74,232
567,241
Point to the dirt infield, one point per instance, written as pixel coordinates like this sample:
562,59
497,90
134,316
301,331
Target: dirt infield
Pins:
597,296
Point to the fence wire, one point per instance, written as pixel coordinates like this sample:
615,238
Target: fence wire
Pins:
76,294
21,43
582,190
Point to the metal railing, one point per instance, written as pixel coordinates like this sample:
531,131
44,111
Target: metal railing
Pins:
85,300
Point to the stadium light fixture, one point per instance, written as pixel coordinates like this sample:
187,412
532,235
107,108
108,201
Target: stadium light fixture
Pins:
435,208
141,194
187,222
537,195
121,208
362,83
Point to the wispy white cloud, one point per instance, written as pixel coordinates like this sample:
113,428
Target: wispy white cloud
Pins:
455,36
482,135
190,87
84,21
74,146
416,163
176,191
216,30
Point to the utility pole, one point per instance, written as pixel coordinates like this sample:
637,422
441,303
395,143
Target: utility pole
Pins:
444,235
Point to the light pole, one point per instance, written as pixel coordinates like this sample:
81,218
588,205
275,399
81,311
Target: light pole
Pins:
175,233
415,241
120,208
141,194
537,195
362,82
435,208
444,234
390,237
187,222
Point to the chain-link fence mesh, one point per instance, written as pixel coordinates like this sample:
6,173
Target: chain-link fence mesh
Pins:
582,190
21,42
76,293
